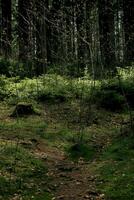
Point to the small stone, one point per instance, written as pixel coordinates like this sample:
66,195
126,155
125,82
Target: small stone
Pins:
86,196
78,183
60,197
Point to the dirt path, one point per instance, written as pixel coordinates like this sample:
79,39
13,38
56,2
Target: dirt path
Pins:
69,180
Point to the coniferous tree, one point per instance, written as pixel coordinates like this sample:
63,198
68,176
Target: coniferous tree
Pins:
24,28
78,33
119,36
80,20
6,27
55,30
41,33
107,37
128,8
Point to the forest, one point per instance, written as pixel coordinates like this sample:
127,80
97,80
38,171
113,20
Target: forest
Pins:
66,99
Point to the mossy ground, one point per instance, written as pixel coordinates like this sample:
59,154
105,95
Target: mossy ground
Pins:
35,150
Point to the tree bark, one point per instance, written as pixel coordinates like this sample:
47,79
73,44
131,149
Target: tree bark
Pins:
41,33
24,28
6,28
128,7
106,28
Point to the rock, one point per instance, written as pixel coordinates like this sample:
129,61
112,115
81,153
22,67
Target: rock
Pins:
87,197
60,197
23,109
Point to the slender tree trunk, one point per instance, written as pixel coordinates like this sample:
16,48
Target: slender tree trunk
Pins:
80,19
6,28
106,28
55,19
24,20
119,32
128,7
67,45
41,32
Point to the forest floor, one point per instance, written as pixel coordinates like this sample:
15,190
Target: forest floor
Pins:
77,150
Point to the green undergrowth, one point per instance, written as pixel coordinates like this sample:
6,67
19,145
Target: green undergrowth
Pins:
44,88
21,174
23,128
62,135
111,93
116,94
80,150
116,169
33,128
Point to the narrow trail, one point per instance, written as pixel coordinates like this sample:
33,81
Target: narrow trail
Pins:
68,180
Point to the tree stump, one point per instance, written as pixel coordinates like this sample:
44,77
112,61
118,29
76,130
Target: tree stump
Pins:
23,109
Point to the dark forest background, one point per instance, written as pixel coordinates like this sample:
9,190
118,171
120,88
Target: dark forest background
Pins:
37,36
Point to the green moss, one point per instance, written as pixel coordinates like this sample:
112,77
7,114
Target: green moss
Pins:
21,173
117,171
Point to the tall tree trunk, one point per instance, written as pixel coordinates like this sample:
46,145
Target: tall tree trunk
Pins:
81,30
24,20
106,28
55,29
91,35
6,28
67,30
41,32
128,7
119,32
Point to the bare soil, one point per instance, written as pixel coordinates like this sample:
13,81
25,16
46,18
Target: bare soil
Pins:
69,180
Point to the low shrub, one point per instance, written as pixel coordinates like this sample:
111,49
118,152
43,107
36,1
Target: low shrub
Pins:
49,97
3,84
114,93
80,150
111,100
